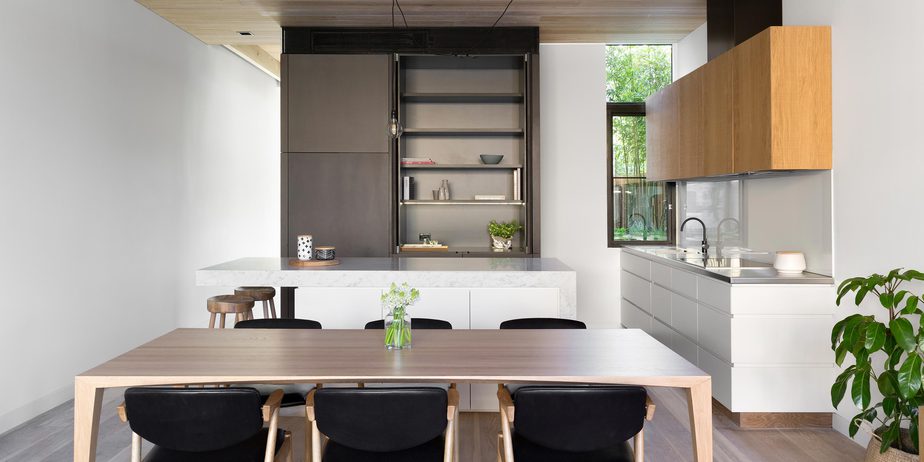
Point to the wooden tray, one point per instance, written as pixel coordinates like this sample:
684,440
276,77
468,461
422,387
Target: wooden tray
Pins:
312,263
432,248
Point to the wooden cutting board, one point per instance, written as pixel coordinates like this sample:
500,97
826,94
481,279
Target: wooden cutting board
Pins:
312,263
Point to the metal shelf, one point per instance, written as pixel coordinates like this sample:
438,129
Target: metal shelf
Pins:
462,202
463,132
462,97
463,166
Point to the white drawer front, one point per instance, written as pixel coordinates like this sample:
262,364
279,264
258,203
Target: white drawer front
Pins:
794,340
483,397
683,283
721,373
661,274
636,290
661,303
684,347
715,332
715,293
490,307
339,307
782,389
636,265
442,303
683,316
634,318
661,332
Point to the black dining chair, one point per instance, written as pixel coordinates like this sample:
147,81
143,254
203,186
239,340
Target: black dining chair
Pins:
543,323
205,425
573,424
416,323
413,424
294,394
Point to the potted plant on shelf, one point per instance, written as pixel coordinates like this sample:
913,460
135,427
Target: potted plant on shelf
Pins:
887,355
502,234
397,319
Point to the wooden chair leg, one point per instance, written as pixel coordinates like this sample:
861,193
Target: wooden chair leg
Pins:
221,321
500,447
136,447
265,309
272,305
639,445
212,321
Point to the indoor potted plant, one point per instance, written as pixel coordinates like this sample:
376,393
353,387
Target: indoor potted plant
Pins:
502,234
397,319
887,355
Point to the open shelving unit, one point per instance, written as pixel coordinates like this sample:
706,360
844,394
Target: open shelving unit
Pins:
454,108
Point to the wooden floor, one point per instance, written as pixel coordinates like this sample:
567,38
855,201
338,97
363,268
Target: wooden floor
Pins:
667,438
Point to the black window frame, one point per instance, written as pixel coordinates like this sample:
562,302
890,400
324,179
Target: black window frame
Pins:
632,110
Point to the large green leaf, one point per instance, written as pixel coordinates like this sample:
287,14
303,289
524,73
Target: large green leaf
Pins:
904,334
846,287
841,353
888,406
875,336
911,306
860,390
861,294
840,386
909,376
886,299
895,357
890,436
913,429
855,424
887,383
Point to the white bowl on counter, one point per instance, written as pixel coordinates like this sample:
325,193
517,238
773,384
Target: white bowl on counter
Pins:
789,262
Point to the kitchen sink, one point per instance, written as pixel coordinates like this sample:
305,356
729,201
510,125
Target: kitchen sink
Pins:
720,263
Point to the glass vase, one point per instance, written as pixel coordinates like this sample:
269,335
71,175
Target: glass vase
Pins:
398,329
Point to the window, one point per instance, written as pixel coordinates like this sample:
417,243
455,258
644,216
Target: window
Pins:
639,211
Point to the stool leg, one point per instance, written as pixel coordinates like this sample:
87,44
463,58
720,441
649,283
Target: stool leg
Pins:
221,321
266,310
212,321
272,307
238,317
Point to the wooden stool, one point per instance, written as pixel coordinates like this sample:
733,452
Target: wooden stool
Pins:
260,294
241,306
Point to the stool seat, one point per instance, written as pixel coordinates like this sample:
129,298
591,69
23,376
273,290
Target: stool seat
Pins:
261,294
238,305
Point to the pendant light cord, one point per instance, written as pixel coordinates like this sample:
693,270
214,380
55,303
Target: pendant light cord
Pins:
502,14
395,3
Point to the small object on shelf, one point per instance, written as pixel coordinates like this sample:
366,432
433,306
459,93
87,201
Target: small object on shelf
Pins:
491,159
408,189
444,191
312,263
789,262
432,247
502,234
325,252
516,185
305,243
436,194
490,197
417,161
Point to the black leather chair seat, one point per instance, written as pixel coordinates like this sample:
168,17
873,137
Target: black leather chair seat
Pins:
250,450
430,451
527,451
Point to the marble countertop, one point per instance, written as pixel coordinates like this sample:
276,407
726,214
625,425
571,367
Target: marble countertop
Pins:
401,264
761,275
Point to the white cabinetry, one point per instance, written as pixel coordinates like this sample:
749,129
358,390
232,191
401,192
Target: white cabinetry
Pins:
765,345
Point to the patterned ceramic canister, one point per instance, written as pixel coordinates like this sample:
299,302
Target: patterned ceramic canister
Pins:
305,247
324,252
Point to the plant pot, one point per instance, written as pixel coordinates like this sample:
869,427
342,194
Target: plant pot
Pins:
398,329
501,243
891,455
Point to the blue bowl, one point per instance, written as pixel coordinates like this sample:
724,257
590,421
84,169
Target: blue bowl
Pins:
491,159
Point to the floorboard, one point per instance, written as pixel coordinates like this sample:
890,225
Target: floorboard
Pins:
48,437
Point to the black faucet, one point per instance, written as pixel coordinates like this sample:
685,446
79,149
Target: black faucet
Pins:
705,241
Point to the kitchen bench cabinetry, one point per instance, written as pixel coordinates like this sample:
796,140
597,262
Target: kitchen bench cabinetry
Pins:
765,345
764,105
464,308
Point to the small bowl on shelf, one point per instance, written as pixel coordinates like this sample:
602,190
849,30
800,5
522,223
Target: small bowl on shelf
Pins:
325,252
491,159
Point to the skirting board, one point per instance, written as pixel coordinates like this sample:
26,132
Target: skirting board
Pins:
775,419
19,416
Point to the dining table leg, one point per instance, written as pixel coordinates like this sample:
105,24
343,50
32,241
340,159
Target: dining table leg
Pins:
699,399
88,400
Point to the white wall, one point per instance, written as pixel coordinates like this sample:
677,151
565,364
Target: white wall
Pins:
125,143
690,52
877,147
573,166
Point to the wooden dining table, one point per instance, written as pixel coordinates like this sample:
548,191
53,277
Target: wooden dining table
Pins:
228,356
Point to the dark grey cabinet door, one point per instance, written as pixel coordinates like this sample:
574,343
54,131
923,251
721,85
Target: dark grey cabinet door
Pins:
337,103
341,199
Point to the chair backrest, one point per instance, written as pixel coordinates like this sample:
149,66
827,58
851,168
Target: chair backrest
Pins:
543,323
579,419
381,419
278,324
194,419
416,323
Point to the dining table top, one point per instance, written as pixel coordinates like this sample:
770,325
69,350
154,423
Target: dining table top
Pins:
605,356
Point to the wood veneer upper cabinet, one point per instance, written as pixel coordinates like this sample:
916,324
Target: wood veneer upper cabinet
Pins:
687,160
718,115
336,103
655,136
782,100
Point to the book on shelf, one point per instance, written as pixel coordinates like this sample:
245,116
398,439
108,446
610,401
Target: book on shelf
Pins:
490,197
408,189
516,185
416,161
